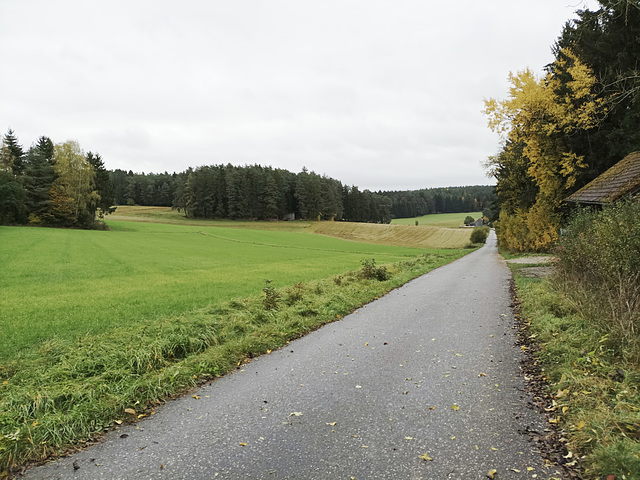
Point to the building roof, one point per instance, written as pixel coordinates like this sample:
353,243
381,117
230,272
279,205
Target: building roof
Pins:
621,180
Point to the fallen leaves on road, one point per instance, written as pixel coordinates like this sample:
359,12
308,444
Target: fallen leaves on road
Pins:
492,473
426,457
455,407
130,411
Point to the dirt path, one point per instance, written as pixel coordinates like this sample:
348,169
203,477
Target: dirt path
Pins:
422,384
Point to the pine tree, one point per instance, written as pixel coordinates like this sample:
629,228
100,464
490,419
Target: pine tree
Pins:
103,185
38,178
17,153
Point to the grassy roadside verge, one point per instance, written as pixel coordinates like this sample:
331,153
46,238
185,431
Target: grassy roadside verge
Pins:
593,395
66,392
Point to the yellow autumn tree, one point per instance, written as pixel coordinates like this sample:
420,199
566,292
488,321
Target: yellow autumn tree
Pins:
73,195
539,117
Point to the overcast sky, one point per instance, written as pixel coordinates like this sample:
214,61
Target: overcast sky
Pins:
383,94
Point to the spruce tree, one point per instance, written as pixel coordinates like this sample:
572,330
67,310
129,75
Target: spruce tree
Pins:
11,142
38,178
103,185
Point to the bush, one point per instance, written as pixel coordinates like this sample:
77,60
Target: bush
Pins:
271,296
370,271
468,220
599,269
479,234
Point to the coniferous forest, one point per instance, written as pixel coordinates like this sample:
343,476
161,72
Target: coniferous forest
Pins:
61,185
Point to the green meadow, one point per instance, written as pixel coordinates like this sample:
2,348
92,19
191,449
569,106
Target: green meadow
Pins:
68,283
99,324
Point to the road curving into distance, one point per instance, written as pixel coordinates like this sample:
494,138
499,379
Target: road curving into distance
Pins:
423,383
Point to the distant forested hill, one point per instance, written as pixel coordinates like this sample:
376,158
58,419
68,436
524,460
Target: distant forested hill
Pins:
254,191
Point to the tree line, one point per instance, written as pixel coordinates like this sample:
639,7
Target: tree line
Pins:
52,184
61,185
262,193
562,130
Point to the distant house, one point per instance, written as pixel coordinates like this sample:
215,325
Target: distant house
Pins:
619,182
478,223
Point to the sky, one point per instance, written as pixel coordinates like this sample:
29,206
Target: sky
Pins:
382,94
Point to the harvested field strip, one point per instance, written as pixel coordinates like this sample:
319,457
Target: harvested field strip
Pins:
398,235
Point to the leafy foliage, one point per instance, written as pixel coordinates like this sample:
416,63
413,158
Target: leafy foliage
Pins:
51,184
599,265
565,129
370,271
536,121
479,234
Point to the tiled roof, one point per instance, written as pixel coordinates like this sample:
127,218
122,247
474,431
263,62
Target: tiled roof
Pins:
619,181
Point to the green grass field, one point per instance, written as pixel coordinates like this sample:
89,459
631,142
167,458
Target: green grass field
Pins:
447,220
67,283
96,322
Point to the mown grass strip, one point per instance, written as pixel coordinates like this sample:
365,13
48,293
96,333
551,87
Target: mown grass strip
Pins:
68,391
593,386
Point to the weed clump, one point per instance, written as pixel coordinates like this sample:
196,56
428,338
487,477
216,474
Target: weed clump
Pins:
295,293
271,296
371,272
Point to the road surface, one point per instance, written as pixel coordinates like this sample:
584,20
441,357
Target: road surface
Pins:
423,383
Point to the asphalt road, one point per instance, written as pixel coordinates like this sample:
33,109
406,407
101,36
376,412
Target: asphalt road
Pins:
431,368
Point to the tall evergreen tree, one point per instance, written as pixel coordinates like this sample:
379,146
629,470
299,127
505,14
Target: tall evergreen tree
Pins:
12,199
103,185
38,178
11,141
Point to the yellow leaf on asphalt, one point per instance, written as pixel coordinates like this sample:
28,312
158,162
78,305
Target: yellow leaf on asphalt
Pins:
529,469
482,374
130,411
196,397
119,422
408,438
492,473
515,470
455,407
295,414
242,444
333,424
426,457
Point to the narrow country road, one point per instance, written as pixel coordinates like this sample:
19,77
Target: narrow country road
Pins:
430,368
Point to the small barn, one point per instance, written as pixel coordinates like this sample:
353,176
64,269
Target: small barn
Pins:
619,182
